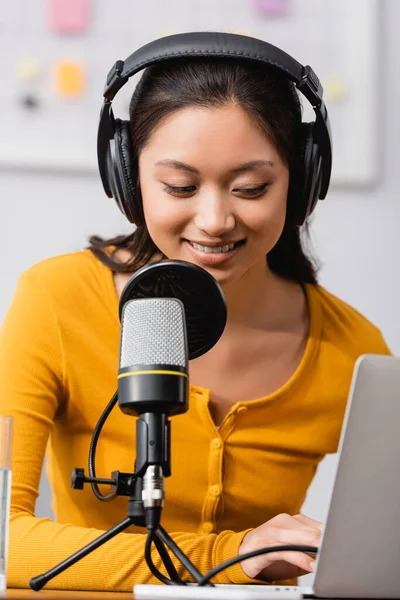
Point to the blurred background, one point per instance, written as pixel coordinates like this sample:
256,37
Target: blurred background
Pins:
55,55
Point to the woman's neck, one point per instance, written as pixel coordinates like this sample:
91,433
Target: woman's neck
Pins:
265,301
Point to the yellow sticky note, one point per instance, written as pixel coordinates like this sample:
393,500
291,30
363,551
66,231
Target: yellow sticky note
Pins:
69,78
28,68
335,88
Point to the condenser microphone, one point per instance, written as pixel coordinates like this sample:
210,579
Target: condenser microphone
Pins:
153,384
171,311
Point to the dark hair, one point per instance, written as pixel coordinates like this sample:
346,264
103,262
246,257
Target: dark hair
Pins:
266,94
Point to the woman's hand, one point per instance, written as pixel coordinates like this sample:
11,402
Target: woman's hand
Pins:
282,530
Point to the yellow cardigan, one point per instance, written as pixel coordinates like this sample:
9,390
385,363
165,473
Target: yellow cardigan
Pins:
59,349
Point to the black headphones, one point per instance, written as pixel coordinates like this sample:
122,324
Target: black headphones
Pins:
118,168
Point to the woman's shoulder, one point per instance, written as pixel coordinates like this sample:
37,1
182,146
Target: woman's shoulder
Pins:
70,278
344,325
66,268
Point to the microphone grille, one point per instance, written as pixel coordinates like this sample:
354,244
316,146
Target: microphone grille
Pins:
153,331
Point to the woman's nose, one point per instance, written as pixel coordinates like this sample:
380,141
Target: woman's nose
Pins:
214,215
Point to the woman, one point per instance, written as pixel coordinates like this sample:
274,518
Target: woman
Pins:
217,147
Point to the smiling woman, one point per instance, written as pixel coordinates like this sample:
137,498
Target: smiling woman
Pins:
218,170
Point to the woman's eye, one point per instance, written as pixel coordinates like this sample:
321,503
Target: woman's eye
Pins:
252,191
190,189
179,190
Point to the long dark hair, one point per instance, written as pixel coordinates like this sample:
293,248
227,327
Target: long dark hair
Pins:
266,95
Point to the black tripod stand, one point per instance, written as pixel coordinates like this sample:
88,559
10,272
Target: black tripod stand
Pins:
132,485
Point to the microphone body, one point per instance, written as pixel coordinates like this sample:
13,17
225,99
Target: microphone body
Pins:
153,384
153,388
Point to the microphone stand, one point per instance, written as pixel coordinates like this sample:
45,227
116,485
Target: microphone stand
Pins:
144,504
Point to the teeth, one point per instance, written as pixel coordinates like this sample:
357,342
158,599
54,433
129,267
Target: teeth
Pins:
211,249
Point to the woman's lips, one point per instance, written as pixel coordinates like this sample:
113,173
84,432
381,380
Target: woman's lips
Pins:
212,258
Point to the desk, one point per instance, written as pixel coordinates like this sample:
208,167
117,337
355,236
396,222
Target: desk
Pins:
25,594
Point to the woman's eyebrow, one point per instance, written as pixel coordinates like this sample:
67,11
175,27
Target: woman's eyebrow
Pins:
177,164
253,164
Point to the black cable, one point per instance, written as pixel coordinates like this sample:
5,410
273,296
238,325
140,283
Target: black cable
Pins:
169,565
149,560
236,559
180,555
106,498
93,446
152,519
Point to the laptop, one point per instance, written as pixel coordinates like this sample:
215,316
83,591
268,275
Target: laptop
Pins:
359,555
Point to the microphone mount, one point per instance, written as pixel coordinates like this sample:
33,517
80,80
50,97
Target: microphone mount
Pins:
122,484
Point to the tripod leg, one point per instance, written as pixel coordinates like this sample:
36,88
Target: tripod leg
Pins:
168,564
36,583
185,561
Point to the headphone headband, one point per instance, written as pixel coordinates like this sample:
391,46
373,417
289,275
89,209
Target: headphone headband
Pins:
203,44
217,45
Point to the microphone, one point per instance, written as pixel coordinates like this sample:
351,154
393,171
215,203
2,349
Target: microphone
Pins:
170,311
153,384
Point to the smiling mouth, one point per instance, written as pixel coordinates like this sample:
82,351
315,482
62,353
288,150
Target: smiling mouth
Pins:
216,249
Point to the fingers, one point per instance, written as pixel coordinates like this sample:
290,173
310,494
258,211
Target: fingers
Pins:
303,519
280,571
307,533
308,522
282,530
294,537
302,561
285,521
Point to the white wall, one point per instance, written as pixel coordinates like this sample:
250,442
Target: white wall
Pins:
355,231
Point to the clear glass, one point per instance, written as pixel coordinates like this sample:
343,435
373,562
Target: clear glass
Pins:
6,424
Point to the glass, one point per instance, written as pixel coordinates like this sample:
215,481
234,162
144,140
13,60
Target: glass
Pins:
5,494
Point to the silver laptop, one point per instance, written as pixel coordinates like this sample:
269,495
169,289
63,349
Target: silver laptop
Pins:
359,556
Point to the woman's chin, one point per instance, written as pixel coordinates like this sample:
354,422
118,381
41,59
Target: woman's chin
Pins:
223,269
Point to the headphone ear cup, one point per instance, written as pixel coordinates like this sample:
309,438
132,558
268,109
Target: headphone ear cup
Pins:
124,172
310,175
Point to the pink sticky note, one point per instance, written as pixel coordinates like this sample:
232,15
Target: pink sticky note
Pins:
271,7
69,16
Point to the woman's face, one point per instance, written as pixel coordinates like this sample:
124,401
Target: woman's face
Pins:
214,191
